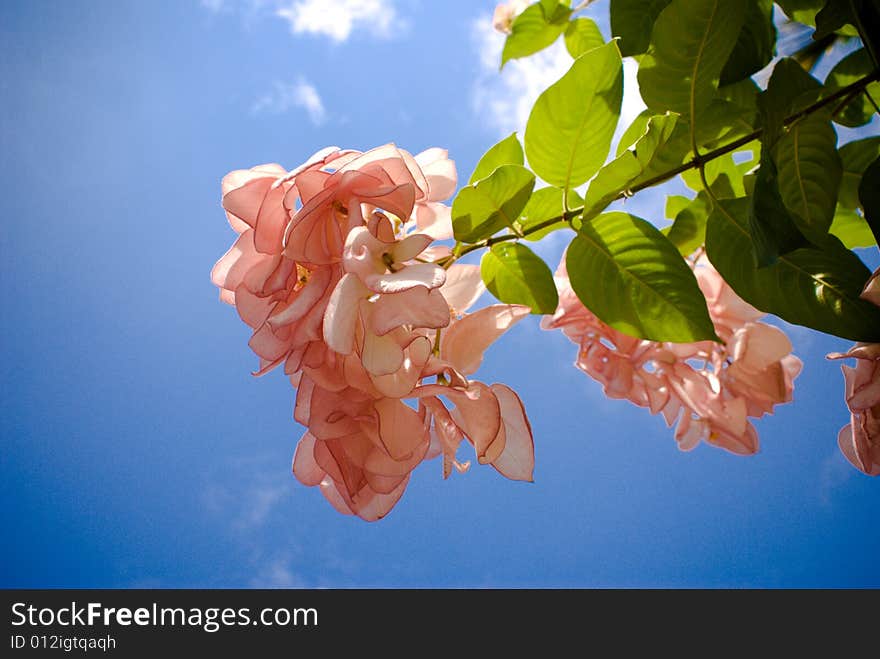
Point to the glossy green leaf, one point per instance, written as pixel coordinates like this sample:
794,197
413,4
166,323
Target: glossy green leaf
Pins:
675,203
581,35
516,275
743,95
869,197
802,11
495,202
858,111
809,172
855,157
725,166
507,152
533,30
632,21
617,176
688,230
544,205
569,130
690,43
817,288
627,273
755,45
790,88
833,17
774,231
852,229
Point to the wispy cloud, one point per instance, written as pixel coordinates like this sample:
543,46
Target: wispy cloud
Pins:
505,98
286,96
337,19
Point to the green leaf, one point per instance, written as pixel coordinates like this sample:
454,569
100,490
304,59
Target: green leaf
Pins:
851,229
632,21
581,35
545,204
802,11
534,30
507,152
773,229
869,197
617,176
809,173
569,130
858,111
790,88
817,288
727,168
495,202
516,275
755,45
691,41
855,157
688,231
833,17
743,95
627,273
675,203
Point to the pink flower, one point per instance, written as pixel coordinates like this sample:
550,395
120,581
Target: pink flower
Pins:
335,271
502,19
707,390
859,440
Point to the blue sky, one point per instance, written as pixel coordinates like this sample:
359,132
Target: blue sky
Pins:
139,452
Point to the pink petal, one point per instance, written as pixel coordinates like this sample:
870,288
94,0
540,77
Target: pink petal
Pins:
243,193
400,383
871,291
463,286
381,355
517,460
304,299
340,316
252,309
401,431
478,413
758,345
419,274
332,494
418,307
410,247
271,222
464,343
435,220
440,173
306,470
372,507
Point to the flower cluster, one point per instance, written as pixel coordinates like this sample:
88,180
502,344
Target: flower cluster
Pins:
335,271
859,440
707,389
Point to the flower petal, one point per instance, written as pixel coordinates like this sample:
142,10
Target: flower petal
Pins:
463,287
517,460
418,307
306,470
464,343
419,274
340,316
401,431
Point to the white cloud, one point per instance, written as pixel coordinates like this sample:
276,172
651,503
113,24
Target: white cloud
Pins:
505,98
337,19
214,5
285,96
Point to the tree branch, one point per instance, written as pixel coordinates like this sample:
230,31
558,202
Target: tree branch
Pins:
697,161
